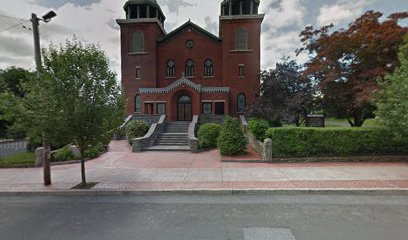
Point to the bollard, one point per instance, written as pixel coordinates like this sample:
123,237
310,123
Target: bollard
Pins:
267,156
39,156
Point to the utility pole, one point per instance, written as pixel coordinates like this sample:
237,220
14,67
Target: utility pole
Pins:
37,48
37,52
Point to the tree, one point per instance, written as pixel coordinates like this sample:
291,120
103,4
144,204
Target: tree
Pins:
12,81
285,95
348,62
85,91
76,100
392,100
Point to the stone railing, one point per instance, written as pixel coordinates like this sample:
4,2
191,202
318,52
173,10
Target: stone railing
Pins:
11,147
264,149
244,122
149,119
192,139
138,144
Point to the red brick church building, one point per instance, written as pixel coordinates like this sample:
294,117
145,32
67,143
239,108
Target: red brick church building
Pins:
190,71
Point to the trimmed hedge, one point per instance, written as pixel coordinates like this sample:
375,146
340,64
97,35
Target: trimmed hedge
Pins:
232,140
136,129
306,142
208,134
258,127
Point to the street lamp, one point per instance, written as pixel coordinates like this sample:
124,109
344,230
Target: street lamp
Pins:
37,51
36,34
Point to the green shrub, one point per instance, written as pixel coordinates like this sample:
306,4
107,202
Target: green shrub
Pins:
208,134
136,129
232,140
62,155
94,151
258,127
339,141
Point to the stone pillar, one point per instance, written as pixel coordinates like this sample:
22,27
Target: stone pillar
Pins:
39,156
267,156
148,11
230,8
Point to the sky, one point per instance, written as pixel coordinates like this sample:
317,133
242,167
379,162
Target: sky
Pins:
93,21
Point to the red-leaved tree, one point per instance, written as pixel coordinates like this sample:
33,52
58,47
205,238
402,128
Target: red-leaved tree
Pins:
347,63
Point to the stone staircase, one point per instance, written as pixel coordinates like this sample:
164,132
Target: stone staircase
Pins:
174,138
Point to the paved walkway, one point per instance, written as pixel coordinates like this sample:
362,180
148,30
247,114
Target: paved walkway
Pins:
120,169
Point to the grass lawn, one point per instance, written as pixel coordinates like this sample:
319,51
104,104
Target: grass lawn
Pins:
336,122
18,160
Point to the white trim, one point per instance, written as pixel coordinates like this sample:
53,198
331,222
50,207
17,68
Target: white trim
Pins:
206,101
148,102
161,102
220,101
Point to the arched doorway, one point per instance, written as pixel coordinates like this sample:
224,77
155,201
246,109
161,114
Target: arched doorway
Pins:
184,108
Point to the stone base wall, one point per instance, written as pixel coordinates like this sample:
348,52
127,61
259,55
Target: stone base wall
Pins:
258,146
218,119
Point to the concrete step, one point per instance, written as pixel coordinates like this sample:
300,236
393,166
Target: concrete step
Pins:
171,144
168,148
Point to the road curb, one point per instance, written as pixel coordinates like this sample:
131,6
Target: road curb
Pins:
79,193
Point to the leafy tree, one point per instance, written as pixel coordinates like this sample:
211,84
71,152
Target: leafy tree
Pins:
76,100
392,101
85,90
285,95
12,81
348,62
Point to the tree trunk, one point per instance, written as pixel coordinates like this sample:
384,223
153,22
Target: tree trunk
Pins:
46,164
83,177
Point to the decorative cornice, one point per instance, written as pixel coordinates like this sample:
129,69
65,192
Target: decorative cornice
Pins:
140,20
184,81
243,17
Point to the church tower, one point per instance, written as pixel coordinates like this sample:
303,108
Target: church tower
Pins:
240,30
144,24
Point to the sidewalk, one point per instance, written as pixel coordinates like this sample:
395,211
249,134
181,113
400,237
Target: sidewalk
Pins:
122,170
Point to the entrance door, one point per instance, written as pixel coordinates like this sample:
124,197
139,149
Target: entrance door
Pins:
184,109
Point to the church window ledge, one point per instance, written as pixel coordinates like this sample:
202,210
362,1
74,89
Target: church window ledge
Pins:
137,53
208,77
242,51
170,77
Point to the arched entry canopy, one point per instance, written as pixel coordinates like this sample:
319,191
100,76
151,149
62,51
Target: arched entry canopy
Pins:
183,99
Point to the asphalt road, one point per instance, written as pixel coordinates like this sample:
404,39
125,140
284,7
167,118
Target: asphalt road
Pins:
179,217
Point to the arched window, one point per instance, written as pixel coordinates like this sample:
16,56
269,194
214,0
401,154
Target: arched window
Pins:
138,42
241,39
189,68
208,68
171,68
138,104
241,102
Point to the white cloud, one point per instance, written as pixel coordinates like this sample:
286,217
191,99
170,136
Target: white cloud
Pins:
341,12
283,22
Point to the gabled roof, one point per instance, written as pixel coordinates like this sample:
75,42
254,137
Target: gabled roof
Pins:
186,27
186,82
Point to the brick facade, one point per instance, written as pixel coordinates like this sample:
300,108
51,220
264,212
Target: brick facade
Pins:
146,73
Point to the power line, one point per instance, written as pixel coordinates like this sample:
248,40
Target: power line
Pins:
19,19
11,27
